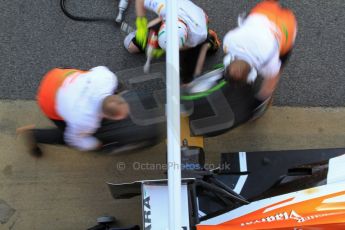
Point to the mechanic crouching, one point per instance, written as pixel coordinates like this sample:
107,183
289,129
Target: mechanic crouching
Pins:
75,101
195,39
259,48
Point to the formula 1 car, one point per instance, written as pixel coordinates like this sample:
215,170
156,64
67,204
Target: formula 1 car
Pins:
297,189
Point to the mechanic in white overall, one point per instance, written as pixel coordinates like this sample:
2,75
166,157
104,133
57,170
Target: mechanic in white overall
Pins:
260,46
195,39
76,101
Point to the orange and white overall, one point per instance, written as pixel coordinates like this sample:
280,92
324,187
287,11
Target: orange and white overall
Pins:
285,22
47,91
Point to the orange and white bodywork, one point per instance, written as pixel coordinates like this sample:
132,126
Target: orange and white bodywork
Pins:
209,205
316,208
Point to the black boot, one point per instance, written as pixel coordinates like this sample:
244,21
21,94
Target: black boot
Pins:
31,144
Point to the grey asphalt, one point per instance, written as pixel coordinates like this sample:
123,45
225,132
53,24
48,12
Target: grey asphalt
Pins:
35,36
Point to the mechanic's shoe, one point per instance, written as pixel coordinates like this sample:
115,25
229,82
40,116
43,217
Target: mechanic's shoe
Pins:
214,41
30,142
36,152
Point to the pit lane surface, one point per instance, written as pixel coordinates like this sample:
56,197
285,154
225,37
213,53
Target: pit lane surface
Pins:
36,36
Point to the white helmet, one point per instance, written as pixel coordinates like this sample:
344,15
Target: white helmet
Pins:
182,34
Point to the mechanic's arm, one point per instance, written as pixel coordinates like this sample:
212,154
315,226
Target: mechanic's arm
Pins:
154,22
140,8
271,75
141,24
81,139
267,87
201,58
